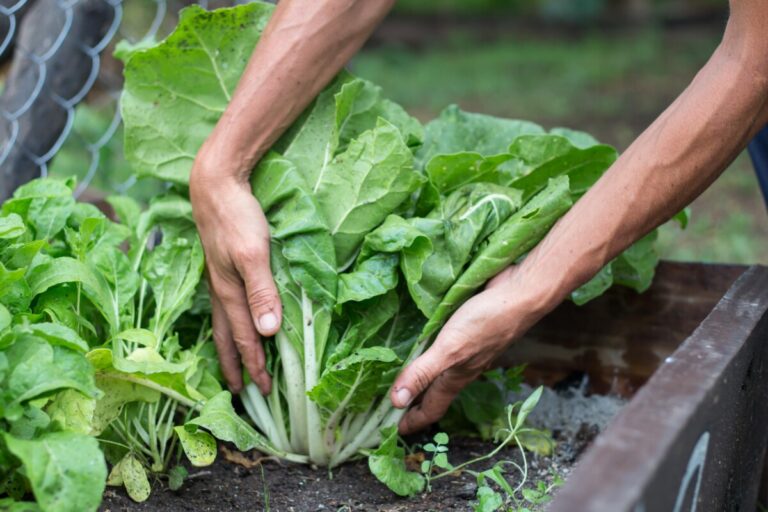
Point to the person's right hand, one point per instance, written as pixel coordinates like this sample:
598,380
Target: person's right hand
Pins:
235,237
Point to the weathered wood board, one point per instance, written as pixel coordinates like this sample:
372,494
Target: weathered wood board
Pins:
694,436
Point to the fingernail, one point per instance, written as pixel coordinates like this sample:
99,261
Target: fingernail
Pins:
268,322
403,396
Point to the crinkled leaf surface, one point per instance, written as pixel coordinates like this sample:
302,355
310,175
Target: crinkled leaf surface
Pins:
352,383
37,368
516,236
168,114
364,184
543,157
299,225
11,226
371,278
66,470
173,270
455,131
461,222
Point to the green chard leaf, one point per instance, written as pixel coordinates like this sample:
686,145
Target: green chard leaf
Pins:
66,470
365,320
387,463
458,225
540,158
70,270
220,419
173,270
199,446
11,226
15,292
299,226
371,278
37,368
515,237
44,204
130,473
363,185
352,383
341,113
455,131
168,115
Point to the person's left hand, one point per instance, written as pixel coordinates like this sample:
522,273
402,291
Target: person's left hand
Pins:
468,344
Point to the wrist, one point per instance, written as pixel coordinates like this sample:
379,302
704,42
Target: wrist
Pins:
211,182
540,290
220,161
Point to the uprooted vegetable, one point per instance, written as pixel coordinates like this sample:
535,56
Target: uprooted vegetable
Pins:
380,228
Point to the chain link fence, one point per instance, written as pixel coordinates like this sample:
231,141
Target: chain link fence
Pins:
59,105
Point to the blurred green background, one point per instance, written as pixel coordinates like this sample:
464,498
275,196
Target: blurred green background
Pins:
608,67
581,68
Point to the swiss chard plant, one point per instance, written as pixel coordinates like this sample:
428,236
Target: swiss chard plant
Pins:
381,228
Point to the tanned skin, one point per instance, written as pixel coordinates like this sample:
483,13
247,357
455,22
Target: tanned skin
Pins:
306,44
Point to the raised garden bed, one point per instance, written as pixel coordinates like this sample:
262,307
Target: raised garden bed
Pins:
691,431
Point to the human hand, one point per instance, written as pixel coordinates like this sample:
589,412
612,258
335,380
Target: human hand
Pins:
235,237
468,344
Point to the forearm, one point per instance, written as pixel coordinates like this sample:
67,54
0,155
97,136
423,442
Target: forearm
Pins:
305,44
669,165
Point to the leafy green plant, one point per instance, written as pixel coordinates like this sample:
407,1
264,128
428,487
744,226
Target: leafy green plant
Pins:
381,229
94,353
490,499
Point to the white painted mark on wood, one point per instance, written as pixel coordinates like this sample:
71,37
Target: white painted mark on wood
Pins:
695,467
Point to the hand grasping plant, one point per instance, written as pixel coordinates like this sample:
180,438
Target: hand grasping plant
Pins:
268,97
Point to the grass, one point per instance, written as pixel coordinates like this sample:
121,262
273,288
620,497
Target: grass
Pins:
611,84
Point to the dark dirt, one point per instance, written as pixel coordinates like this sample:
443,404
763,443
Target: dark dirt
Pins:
295,488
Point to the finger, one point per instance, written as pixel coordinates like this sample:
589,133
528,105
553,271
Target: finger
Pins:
417,377
435,402
229,360
260,289
244,333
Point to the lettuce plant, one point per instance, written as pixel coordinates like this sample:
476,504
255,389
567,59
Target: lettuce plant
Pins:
381,228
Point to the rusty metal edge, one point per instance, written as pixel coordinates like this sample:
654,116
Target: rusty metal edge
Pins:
616,472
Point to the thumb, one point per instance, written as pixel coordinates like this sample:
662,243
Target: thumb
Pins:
417,377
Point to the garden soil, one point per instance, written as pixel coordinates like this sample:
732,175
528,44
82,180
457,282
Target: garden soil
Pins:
241,482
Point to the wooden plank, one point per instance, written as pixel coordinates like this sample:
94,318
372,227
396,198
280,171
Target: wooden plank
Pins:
694,437
620,339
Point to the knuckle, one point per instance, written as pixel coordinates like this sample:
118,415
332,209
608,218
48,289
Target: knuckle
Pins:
449,386
422,376
220,336
261,298
250,254
244,345
417,420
